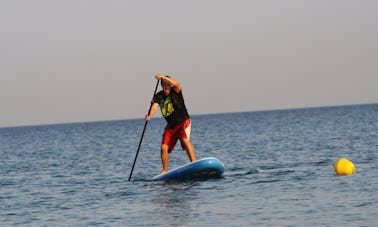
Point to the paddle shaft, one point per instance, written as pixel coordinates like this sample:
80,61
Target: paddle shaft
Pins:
144,129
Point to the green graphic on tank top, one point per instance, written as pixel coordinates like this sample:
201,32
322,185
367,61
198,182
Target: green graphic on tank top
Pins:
166,107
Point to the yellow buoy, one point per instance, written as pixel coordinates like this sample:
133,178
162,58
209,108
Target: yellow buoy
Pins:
344,167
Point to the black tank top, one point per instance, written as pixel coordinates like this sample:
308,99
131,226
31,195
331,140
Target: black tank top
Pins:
172,107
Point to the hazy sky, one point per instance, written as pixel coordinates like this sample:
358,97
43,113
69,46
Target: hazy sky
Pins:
76,60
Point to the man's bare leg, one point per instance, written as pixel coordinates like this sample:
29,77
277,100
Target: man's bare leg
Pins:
189,149
164,158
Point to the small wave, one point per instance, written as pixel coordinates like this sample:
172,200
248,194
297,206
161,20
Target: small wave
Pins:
242,173
254,171
120,194
7,183
267,181
365,204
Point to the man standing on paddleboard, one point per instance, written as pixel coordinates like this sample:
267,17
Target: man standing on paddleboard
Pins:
173,109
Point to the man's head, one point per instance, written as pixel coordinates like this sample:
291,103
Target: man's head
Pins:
166,86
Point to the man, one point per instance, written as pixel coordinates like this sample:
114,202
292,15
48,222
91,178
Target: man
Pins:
174,111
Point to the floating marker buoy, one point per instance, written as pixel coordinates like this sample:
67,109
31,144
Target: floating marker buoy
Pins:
344,167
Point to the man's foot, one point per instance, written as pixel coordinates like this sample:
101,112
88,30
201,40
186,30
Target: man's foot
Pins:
163,171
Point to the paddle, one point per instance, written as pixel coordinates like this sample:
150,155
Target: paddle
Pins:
144,129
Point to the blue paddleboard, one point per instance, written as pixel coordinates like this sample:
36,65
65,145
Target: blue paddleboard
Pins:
202,169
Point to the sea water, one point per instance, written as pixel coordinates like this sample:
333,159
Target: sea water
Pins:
278,172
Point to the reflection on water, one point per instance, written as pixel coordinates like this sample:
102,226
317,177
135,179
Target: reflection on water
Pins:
175,200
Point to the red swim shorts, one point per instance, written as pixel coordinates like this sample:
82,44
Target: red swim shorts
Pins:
181,131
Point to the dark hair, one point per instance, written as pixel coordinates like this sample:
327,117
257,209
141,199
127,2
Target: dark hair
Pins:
161,81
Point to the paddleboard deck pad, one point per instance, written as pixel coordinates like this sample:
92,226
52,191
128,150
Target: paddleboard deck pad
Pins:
205,168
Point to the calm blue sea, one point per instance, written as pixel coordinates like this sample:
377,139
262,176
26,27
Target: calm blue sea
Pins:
278,172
